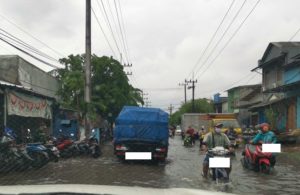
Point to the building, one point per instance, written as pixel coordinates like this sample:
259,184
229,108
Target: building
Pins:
240,98
280,67
220,104
27,96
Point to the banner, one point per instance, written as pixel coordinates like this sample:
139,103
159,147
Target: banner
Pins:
28,106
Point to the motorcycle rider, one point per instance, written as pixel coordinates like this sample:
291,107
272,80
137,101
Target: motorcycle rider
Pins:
201,135
264,137
190,132
211,140
231,132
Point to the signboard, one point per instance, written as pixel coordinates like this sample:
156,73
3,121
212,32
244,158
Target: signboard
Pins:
28,106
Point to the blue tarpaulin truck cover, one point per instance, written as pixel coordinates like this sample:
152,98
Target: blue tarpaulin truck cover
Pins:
142,124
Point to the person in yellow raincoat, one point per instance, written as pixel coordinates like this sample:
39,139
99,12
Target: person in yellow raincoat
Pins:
201,135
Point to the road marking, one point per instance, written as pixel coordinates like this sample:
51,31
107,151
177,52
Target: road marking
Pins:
219,162
138,156
276,148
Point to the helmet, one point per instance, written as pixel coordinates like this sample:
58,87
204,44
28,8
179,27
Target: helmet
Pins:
219,125
264,124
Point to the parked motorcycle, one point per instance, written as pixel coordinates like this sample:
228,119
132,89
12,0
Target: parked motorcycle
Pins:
255,159
82,147
220,175
53,152
11,157
65,146
38,153
94,145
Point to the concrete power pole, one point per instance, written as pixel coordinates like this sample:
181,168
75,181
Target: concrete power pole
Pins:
171,109
193,93
87,87
184,84
145,99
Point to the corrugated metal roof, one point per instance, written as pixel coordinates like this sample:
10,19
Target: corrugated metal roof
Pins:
245,86
13,85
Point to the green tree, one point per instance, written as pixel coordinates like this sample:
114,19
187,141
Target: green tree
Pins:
110,85
202,105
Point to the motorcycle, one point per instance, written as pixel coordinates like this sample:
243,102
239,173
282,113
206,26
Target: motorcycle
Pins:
52,152
188,142
93,143
82,147
12,158
38,153
220,175
65,146
255,159
234,140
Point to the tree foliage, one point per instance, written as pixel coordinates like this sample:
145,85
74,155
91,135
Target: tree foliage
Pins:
110,85
202,105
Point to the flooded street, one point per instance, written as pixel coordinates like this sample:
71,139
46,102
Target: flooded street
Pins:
182,169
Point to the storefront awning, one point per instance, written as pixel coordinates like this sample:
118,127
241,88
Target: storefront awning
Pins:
284,88
28,105
264,104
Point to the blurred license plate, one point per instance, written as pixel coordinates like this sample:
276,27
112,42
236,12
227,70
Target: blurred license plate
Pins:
138,156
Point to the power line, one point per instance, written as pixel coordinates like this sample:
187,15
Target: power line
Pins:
123,24
231,85
26,45
294,35
122,35
27,53
223,35
41,42
233,35
251,78
212,38
162,89
99,24
6,49
109,25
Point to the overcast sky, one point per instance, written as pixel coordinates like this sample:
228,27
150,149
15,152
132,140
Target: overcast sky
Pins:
165,38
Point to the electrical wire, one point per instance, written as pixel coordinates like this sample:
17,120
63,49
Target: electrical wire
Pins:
212,38
109,25
233,35
163,89
294,35
222,37
27,53
99,24
124,30
121,31
32,36
26,45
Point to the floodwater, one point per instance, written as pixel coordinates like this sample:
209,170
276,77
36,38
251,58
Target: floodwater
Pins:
182,169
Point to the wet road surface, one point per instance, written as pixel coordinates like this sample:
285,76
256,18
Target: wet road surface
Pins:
182,169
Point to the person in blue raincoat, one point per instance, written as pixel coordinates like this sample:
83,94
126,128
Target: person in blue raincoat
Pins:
265,137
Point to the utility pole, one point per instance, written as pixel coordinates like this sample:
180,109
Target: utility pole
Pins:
171,109
148,104
87,88
144,98
184,84
193,92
